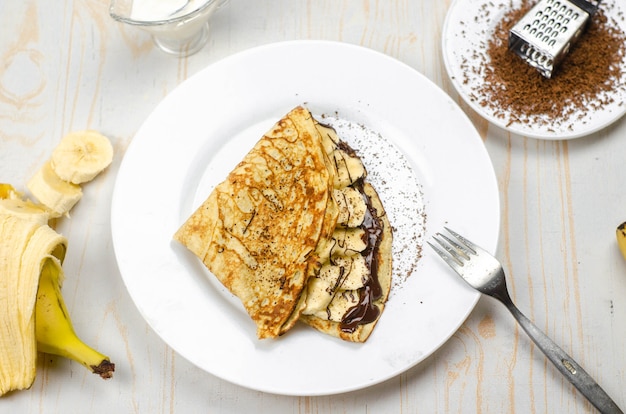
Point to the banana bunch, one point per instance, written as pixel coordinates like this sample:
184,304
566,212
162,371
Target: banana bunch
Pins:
33,316
620,233
77,159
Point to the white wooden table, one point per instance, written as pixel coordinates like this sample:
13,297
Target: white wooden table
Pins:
67,66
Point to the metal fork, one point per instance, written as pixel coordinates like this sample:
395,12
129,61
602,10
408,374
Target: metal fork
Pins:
484,273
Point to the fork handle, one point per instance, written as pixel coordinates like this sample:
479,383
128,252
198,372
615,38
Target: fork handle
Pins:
564,363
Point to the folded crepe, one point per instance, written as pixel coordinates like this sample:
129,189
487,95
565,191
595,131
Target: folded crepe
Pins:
296,233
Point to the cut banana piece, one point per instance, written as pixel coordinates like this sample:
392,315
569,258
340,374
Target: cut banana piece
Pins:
329,137
319,295
349,169
57,195
344,242
620,233
81,155
342,275
339,306
348,242
351,205
354,272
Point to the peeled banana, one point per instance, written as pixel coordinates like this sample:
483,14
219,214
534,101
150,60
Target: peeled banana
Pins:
53,327
23,244
620,233
33,316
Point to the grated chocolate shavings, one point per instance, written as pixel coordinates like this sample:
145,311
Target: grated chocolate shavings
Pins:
585,80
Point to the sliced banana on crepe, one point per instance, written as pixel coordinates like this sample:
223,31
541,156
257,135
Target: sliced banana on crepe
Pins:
336,278
351,205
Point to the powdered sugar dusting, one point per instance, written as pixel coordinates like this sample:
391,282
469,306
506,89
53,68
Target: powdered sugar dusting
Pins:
398,187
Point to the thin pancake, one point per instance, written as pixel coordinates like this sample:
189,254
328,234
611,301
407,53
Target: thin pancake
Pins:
258,230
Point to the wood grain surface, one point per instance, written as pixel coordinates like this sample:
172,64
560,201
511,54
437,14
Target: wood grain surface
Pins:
66,65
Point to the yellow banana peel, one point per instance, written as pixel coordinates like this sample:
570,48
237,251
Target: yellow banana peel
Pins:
7,191
620,234
53,326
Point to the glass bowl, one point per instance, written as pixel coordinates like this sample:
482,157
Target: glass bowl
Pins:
178,27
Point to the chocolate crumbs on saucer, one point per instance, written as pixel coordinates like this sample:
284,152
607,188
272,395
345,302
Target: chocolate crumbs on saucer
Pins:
516,92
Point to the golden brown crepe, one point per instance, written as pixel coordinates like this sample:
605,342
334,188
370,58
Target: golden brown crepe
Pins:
290,209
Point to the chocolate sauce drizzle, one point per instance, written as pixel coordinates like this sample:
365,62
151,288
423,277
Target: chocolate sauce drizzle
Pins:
366,311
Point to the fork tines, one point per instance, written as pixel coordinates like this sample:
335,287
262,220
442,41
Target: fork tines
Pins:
456,250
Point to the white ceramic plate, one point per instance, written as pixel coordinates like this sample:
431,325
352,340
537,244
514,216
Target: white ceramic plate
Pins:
423,155
469,25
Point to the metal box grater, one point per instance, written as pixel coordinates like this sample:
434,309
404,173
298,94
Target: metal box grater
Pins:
544,35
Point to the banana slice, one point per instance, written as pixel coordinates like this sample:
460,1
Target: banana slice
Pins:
348,242
57,195
319,295
354,272
351,205
329,137
344,274
81,155
339,306
344,242
349,169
